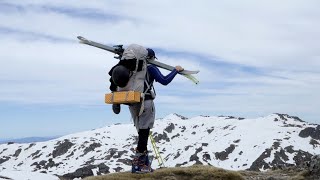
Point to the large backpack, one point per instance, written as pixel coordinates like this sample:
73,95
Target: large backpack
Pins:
136,54
134,58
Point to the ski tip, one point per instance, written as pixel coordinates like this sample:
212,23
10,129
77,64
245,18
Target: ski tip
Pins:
195,81
196,72
81,38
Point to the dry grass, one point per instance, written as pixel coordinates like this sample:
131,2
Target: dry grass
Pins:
183,173
275,174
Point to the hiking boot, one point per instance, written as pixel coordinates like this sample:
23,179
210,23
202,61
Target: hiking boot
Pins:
116,108
141,164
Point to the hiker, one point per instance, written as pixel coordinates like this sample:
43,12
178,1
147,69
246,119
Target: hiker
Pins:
143,119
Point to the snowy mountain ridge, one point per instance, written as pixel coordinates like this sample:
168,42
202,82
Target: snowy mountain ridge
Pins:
28,139
225,141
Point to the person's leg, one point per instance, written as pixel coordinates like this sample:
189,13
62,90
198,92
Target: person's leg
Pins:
143,140
145,121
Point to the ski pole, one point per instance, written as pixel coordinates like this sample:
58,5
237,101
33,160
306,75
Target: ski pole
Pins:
156,151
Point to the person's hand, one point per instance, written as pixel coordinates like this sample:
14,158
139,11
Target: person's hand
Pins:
179,68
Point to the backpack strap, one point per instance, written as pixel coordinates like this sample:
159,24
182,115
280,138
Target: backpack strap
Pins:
149,88
147,91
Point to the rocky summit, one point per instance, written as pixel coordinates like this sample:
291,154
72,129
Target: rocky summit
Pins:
232,143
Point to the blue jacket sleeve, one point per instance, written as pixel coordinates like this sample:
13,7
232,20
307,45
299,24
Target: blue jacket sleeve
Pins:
156,74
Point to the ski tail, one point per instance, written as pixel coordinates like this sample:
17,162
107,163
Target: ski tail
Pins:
116,49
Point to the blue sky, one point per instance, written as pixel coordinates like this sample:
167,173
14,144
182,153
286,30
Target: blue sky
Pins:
255,58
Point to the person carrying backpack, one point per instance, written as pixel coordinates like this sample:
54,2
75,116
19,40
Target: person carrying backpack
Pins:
133,62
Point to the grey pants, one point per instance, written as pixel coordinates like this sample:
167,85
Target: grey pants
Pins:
146,119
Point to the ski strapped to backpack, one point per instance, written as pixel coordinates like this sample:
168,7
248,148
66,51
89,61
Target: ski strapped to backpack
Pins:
118,50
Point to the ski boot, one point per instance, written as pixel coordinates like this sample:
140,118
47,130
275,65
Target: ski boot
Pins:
141,163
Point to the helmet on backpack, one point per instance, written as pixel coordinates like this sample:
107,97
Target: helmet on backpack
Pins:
151,53
120,75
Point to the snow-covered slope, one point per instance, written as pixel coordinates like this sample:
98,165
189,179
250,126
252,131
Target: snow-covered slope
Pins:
22,175
226,142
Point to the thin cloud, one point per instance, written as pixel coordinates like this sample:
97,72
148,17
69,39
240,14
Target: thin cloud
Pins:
77,13
31,36
11,8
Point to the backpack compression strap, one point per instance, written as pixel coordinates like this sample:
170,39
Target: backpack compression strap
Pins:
143,95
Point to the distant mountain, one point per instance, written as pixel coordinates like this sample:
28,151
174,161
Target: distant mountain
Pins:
28,139
228,142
